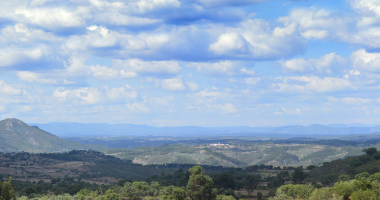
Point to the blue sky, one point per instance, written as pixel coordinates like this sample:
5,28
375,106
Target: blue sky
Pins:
191,62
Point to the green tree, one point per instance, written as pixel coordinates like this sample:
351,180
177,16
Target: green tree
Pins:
129,191
200,186
259,195
370,151
111,195
6,190
154,189
178,194
251,182
322,193
298,175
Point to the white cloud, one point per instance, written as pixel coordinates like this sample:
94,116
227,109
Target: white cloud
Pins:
230,42
51,18
192,86
222,68
207,94
130,68
253,39
363,60
351,100
174,84
137,107
327,64
366,6
212,3
228,108
252,81
296,111
149,5
312,84
90,96
161,101
8,89
12,56
34,77
21,34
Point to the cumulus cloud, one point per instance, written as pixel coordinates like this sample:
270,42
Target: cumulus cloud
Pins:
213,3
91,96
311,84
360,29
34,77
253,39
228,108
9,90
12,56
223,68
161,101
130,68
362,60
174,84
327,64
51,18
351,100
252,81
192,86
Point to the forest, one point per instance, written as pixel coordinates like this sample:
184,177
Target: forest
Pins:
349,178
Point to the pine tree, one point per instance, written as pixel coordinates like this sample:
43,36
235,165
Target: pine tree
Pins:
200,186
6,190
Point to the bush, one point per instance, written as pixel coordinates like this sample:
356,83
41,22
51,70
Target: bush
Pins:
363,195
259,195
322,193
362,175
376,155
295,191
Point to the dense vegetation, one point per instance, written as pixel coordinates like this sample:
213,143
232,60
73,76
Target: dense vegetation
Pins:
347,178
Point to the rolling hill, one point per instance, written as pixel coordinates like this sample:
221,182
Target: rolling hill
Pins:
16,136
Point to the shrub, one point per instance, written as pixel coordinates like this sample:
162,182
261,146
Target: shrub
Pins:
259,195
296,191
322,193
362,175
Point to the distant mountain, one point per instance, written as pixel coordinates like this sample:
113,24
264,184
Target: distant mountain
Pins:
66,129
16,135
116,130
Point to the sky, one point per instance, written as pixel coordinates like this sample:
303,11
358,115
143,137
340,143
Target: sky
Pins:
191,62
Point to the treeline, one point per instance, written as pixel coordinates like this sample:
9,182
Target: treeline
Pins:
363,187
199,187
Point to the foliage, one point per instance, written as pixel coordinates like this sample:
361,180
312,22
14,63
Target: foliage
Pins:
370,151
6,190
295,191
322,193
298,176
259,195
251,182
199,186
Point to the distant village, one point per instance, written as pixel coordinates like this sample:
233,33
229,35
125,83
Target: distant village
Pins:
224,145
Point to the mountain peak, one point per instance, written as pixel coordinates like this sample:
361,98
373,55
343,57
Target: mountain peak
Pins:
11,122
16,135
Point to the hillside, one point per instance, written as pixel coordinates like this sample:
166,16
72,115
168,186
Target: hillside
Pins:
239,153
16,136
